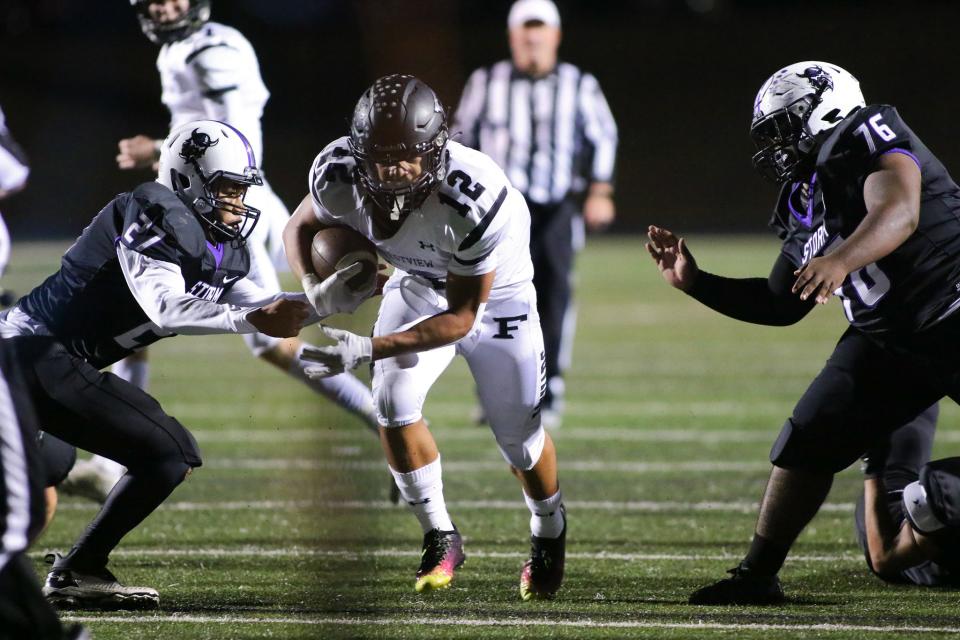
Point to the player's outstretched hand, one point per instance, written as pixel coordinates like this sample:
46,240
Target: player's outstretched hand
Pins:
674,260
333,295
281,319
138,152
820,278
349,352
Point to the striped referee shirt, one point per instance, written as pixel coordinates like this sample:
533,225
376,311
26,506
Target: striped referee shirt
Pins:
552,136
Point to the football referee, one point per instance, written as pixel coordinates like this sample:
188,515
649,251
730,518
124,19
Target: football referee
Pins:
548,125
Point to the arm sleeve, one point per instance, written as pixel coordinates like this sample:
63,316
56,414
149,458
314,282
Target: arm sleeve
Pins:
600,129
466,120
158,287
245,293
754,300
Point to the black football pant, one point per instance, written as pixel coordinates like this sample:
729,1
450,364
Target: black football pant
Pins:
552,252
106,415
24,613
866,390
910,449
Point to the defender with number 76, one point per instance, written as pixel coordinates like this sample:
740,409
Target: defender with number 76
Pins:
867,213
458,234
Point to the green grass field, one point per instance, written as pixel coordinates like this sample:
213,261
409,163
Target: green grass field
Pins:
286,532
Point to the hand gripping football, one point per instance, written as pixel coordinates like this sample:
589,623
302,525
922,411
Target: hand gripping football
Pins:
336,248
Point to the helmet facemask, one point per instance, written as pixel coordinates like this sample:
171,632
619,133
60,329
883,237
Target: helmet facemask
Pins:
784,145
401,199
208,205
162,33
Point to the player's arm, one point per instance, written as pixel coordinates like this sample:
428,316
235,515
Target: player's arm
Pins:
465,297
14,168
891,549
297,236
138,152
892,198
159,288
766,301
245,293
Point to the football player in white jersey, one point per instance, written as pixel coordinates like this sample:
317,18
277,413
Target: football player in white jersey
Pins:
446,217
209,70
13,176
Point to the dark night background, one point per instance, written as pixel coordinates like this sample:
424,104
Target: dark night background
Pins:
680,76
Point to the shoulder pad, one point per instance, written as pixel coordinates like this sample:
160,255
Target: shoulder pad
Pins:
856,144
333,183
156,213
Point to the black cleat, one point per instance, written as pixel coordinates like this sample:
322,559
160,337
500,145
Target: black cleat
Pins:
67,588
741,588
442,555
542,573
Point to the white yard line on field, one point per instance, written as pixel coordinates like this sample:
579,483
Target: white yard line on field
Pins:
305,464
585,623
599,434
642,506
412,552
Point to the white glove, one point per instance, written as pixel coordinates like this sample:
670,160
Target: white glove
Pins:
332,295
349,353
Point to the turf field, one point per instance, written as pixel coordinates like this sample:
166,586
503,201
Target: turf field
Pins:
286,532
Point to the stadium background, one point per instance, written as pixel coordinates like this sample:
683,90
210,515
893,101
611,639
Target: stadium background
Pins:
680,76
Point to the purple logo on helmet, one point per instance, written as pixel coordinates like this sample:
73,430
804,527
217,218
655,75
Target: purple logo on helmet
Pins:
819,78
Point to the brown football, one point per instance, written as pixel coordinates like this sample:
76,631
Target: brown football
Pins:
335,248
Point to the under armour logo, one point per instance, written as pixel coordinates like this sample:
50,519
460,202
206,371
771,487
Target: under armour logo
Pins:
426,245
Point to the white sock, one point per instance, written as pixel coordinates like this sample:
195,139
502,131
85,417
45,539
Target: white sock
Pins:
111,468
136,372
546,519
345,389
422,489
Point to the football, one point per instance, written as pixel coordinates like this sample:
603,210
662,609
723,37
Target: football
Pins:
335,248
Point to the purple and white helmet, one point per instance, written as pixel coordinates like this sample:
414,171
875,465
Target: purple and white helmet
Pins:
194,157
793,107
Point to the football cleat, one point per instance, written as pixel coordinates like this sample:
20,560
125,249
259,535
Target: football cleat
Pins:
741,588
542,573
90,480
442,554
67,588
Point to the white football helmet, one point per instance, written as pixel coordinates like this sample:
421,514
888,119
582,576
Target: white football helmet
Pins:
194,157
793,107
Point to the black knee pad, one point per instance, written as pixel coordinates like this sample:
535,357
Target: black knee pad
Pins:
800,447
58,458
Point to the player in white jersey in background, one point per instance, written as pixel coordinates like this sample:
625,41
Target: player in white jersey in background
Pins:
13,177
458,234
210,70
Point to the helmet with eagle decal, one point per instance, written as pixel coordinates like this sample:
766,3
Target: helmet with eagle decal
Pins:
794,110
398,137
194,160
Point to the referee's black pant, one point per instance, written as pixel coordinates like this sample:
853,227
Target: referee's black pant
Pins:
24,613
103,414
552,252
